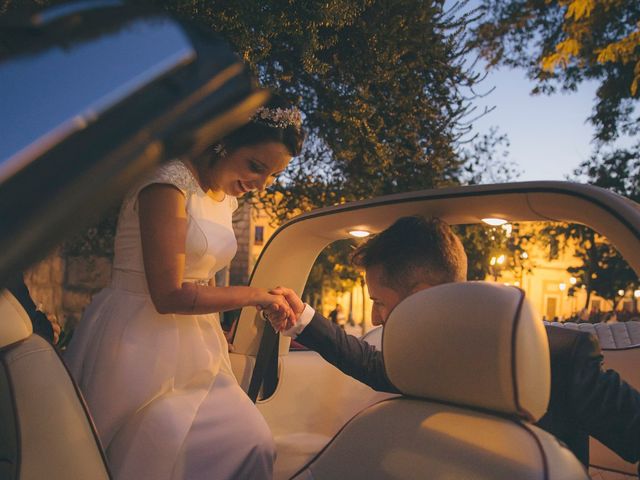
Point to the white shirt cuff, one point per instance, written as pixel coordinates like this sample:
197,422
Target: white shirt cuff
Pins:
304,319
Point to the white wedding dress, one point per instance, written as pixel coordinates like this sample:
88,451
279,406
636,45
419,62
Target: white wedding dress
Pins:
159,386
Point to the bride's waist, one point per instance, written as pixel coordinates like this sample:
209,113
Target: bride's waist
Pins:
136,282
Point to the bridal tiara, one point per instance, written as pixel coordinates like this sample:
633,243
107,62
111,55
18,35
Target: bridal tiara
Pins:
278,117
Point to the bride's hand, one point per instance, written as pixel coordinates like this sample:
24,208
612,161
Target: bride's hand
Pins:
281,322
277,309
294,301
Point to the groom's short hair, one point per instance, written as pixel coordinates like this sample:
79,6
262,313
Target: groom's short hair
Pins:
415,250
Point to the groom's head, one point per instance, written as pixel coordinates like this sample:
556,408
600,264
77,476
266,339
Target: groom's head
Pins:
412,254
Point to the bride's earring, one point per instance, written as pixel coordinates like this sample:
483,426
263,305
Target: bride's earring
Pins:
219,150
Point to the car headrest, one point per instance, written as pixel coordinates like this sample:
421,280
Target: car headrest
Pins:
15,324
476,344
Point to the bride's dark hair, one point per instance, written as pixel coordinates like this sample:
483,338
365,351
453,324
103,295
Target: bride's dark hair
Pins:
255,132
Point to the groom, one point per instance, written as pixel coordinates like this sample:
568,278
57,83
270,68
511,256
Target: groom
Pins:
414,254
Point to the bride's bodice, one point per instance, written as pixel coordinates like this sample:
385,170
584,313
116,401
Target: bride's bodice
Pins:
210,242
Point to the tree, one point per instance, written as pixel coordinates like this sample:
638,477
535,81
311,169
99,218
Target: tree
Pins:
617,170
566,42
383,87
485,245
486,160
601,270
332,270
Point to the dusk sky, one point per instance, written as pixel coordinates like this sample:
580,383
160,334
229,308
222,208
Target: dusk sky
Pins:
549,135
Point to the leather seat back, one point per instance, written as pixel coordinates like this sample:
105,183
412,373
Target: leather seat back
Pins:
46,430
472,362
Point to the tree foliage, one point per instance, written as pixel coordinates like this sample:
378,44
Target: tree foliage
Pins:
333,271
382,85
484,244
602,270
487,160
566,42
615,169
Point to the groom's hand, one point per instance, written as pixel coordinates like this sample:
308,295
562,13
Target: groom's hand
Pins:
292,299
279,318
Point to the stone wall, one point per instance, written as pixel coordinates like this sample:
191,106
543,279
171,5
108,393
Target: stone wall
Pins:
45,282
239,270
63,286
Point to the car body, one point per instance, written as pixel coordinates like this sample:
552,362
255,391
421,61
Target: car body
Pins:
186,95
330,397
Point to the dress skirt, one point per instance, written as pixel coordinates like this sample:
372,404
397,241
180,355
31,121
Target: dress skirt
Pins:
160,388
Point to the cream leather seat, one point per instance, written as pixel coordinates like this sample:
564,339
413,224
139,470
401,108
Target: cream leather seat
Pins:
46,432
472,362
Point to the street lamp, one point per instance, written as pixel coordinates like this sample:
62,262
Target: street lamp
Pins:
496,265
562,286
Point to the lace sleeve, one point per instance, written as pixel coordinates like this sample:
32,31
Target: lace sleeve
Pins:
171,173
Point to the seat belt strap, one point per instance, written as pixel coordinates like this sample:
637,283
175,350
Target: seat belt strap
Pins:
265,369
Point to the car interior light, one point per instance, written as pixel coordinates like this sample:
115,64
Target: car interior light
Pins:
494,222
359,233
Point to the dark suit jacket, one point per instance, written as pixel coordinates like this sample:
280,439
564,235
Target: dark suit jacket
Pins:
585,399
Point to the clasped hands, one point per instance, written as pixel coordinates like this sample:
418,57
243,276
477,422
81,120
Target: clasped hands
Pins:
283,315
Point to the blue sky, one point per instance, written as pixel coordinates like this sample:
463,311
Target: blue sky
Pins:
549,135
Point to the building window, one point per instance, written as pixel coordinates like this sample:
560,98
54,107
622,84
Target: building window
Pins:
258,235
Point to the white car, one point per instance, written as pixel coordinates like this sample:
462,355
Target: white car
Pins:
313,405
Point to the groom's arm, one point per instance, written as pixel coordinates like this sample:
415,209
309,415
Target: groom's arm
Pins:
351,355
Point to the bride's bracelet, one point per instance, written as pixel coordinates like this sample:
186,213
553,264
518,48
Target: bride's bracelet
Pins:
195,298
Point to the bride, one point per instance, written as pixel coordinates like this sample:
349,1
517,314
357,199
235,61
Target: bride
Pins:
149,355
